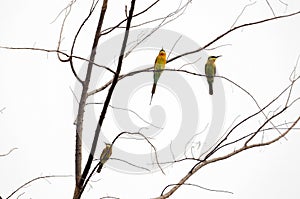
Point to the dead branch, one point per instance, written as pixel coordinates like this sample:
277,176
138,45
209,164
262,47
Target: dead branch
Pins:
112,144
108,97
269,5
80,178
60,52
35,179
242,12
131,164
207,162
1,110
195,51
11,150
129,110
108,30
164,20
201,187
231,30
145,138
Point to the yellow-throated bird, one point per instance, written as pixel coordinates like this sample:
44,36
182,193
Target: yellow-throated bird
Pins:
159,66
210,72
105,155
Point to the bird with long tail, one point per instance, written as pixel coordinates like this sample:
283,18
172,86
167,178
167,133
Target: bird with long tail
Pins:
210,72
159,66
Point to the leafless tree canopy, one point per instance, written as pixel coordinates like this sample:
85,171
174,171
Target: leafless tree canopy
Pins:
274,124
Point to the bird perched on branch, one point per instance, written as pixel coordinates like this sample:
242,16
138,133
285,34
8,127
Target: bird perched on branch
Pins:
210,72
105,155
159,66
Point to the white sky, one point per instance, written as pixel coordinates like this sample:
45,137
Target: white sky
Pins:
38,119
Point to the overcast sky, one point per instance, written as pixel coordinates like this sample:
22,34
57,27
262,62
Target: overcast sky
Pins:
40,107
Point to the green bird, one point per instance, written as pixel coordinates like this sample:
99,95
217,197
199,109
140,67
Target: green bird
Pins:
159,66
210,72
105,155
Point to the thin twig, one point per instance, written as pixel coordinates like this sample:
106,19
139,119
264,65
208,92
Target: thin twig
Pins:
293,79
63,10
129,110
129,163
77,34
236,151
190,63
174,46
1,111
232,30
286,5
35,179
108,30
245,7
75,97
60,52
195,185
164,21
145,138
11,150
271,8
194,51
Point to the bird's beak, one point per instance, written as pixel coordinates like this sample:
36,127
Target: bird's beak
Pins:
218,56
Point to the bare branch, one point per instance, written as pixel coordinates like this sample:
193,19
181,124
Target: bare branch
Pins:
206,162
189,63
231,30
129,110
75,97
1,110
108,30
18,195
11,150
271,8
220,139
177,13
120,77
109,95
246,119
195,185
145,138
60,52
76,36
113,142
286,5
174,46
194,51
293,79
134,165
35,179
67,13
63,10
245,7
126,12
266,122
220,46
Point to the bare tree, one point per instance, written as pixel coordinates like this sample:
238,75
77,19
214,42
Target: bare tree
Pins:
234,140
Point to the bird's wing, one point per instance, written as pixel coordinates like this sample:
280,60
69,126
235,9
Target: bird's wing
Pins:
206,69
103,154
155,63
215,69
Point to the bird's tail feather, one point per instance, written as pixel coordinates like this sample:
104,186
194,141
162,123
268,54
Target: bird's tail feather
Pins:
152,92
99,167
211,92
